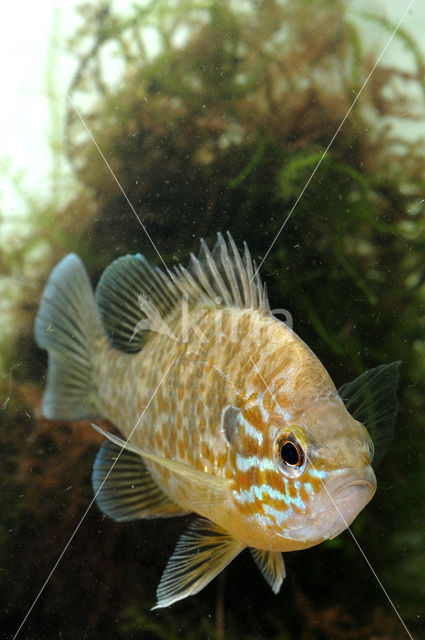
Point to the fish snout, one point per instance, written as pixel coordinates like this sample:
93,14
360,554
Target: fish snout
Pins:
364,477
350,499
342,501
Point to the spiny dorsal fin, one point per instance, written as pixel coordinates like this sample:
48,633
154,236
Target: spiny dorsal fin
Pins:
222,278
202,552
271,566
124,488
134,297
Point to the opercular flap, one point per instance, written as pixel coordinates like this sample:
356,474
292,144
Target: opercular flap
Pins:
202,552
124,488
231,418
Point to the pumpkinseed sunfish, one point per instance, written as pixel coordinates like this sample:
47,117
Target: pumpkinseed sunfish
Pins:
224,410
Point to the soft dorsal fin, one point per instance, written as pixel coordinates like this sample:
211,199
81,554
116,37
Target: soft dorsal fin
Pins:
124,488
134,297
202,552
271,566
372,400
128,290
206,489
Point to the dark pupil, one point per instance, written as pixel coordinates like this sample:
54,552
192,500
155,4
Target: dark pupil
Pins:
290,454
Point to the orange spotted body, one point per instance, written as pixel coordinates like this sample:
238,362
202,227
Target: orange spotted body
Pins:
225,412
184,418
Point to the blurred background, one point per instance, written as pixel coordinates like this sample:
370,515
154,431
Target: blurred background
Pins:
213,114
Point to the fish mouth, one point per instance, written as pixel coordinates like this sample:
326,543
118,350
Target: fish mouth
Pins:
338,504
351,478
342,500
347,500
356,483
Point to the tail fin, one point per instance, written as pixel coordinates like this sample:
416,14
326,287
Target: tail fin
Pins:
67,325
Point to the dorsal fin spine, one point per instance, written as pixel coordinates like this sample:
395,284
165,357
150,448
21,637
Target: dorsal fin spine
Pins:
242,274
196,265
185,282
224,293
259,287
265,300
250,274
229,270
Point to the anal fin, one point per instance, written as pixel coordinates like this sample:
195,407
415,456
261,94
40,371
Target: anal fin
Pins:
271,566
124,488
202,552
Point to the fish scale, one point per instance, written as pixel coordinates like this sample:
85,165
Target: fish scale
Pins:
192,362
224,410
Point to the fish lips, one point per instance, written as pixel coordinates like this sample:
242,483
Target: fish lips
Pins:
342,503
336,506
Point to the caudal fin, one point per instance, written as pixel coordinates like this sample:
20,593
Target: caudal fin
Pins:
67,326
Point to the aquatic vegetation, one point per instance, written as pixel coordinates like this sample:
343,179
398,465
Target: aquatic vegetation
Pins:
219,128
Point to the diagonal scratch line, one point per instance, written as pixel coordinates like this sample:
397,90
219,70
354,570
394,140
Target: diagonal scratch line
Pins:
322,157
91,504
339,512
116,179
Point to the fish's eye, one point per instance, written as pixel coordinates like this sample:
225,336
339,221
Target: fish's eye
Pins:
289,454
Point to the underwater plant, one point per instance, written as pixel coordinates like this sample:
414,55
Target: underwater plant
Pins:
213,118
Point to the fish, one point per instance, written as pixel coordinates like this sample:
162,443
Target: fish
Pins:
224,411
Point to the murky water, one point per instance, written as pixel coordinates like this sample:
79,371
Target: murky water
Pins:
252,117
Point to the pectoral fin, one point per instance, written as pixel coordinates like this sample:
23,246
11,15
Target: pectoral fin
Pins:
271,566
205,488
124,488
202,552
372,400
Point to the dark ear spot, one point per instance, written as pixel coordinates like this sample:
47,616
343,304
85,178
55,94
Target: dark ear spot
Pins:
230,420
